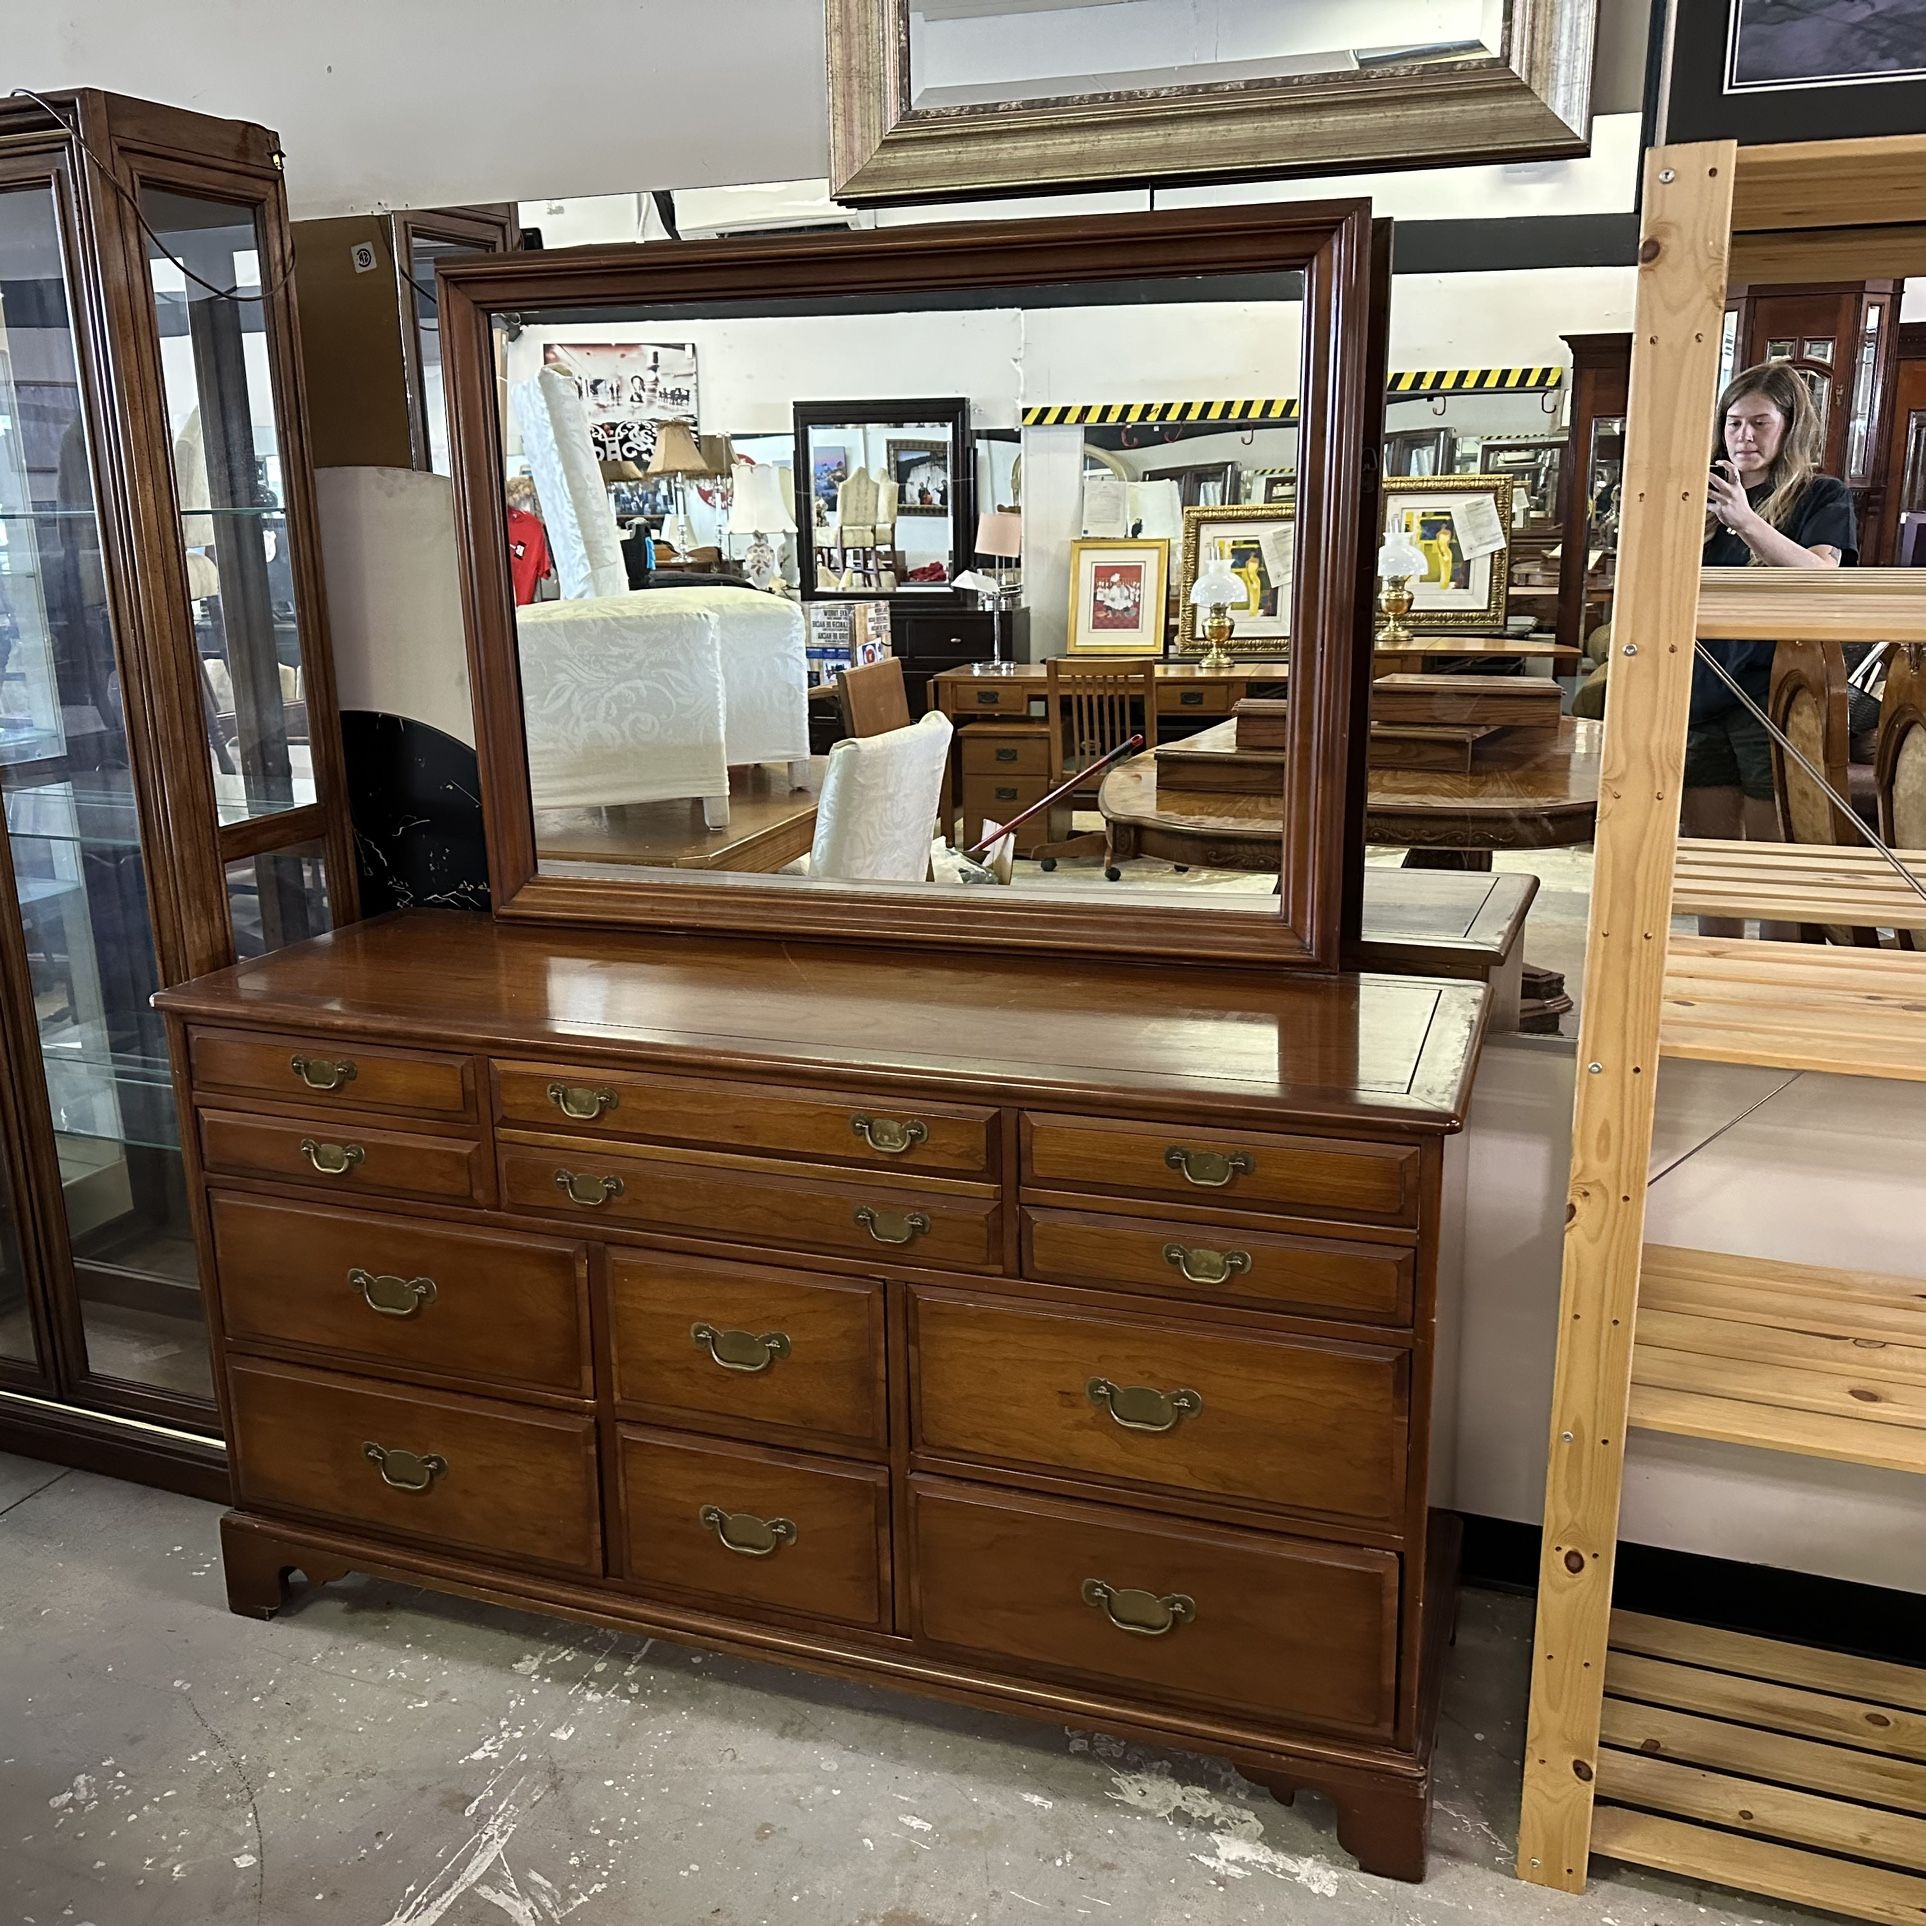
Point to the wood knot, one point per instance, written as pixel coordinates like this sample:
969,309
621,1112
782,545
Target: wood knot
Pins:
1878,1719
1574,1561
1581,1772
1650,1745
1649,250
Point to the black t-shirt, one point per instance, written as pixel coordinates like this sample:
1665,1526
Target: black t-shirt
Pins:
1821,518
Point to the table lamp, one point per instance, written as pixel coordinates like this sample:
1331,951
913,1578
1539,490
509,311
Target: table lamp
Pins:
678,456
1219,589
1399,559
758,511
1000,536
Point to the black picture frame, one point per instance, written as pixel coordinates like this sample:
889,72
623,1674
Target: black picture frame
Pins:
1701,103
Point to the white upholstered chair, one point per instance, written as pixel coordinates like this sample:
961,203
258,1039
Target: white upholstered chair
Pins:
877,812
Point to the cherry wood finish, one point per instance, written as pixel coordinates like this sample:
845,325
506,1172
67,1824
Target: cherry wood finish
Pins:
710,1405
1343,264
344,1157
308,1070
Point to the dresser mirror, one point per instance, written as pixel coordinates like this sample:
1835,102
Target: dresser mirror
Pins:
694,494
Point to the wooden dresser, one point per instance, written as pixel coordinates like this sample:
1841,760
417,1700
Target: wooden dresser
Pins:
1053,1336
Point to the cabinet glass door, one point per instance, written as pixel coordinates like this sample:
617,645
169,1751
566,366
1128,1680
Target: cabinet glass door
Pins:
79,880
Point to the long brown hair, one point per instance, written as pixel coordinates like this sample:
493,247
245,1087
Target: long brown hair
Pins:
1801,448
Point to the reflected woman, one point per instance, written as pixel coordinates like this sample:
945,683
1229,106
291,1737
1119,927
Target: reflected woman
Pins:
1767,506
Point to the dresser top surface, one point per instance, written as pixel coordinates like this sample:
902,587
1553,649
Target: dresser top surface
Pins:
1346,1050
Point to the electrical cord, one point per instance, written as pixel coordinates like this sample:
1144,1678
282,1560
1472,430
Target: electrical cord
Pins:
113,180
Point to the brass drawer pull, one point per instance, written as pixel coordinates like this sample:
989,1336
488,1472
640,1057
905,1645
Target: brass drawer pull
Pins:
1143,1613
1006,755
889,1136
1211,1168
892,1226
390,1295
332,1160
584,1102
989,698
590,1192
403,1469
744,1532
1206,1267
1137,1407
741,1350
1005,795
1190,698
318,1074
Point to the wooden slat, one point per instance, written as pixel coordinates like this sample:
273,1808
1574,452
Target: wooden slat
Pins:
1797,882
1679,1278
1812,605
1895,1322
1660,1731
1771,1812
1769,1658
1831,254
1777,1708
1767,1340
1810,1434
1680,305
1779,1872
1864,1401
1828,183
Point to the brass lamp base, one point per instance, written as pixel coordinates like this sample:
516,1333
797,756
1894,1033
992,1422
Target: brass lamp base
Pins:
1395,600
1218,629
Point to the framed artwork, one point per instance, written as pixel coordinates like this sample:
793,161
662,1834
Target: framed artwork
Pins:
1118,591
627,389
1785,70
828,470
1462,523
1257,540
921,472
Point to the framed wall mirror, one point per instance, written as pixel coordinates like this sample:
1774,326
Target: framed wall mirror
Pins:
647,753
935,98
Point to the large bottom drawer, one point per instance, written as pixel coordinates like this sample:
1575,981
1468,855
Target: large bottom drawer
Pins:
1273,1628
439,1469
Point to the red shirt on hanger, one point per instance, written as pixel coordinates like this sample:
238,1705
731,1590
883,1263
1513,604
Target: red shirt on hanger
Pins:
529,562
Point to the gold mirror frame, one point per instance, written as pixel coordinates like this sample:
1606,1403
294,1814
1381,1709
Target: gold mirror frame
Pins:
1532,102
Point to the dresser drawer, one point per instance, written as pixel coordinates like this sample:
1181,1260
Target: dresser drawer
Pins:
1263,1627
1187,698
1236,1169
759,1528
503,1480
1284,1422
746,1201
343,1156
754,1118
745,1351
1221,1264
1003,750
1004,696
402,1293
348,1076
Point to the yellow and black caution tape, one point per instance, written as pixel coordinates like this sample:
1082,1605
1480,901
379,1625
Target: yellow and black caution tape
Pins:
1414,381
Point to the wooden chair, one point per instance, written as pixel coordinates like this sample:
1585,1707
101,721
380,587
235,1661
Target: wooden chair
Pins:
1809,701
1899,762
1092,706
873,698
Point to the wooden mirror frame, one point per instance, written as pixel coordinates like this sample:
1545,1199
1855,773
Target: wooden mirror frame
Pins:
1344,261
1532,102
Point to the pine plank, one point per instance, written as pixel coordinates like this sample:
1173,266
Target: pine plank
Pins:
1686,217
1829,183
1770,1658
1662,1732
1754,1866
1673,1267
1864,1399
1811,1434
1816,605
1764,1340
1831,254
1797,882
1771,1812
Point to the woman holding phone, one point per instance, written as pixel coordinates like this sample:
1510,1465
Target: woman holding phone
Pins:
1767,506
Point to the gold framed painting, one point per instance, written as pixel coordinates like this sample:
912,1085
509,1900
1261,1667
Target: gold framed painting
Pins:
1117,596
1462,526
1256,539
919,110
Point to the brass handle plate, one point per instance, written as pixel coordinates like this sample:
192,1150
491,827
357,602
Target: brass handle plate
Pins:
392,1296
590,1192
1206,1267
1140,1407
989,698
584,1102
889,1135
332,1160
319,1074
1213,1169
744,1532
1145,1614
1006,755
741,1350
892,1226
1006,795
404,1470
1190,698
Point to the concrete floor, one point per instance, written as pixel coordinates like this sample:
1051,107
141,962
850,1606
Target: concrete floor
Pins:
382,1757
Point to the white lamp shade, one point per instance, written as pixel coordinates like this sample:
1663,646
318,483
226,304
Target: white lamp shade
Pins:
758,504
1220,583
1000,533
1400,555
976,582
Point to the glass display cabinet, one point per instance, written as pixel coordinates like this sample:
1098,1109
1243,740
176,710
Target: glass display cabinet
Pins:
169,750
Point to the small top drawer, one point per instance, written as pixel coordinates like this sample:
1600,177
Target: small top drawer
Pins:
1188,698
350,1076
1000,749
1003,697
886,1135
1226,1169
344,1156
